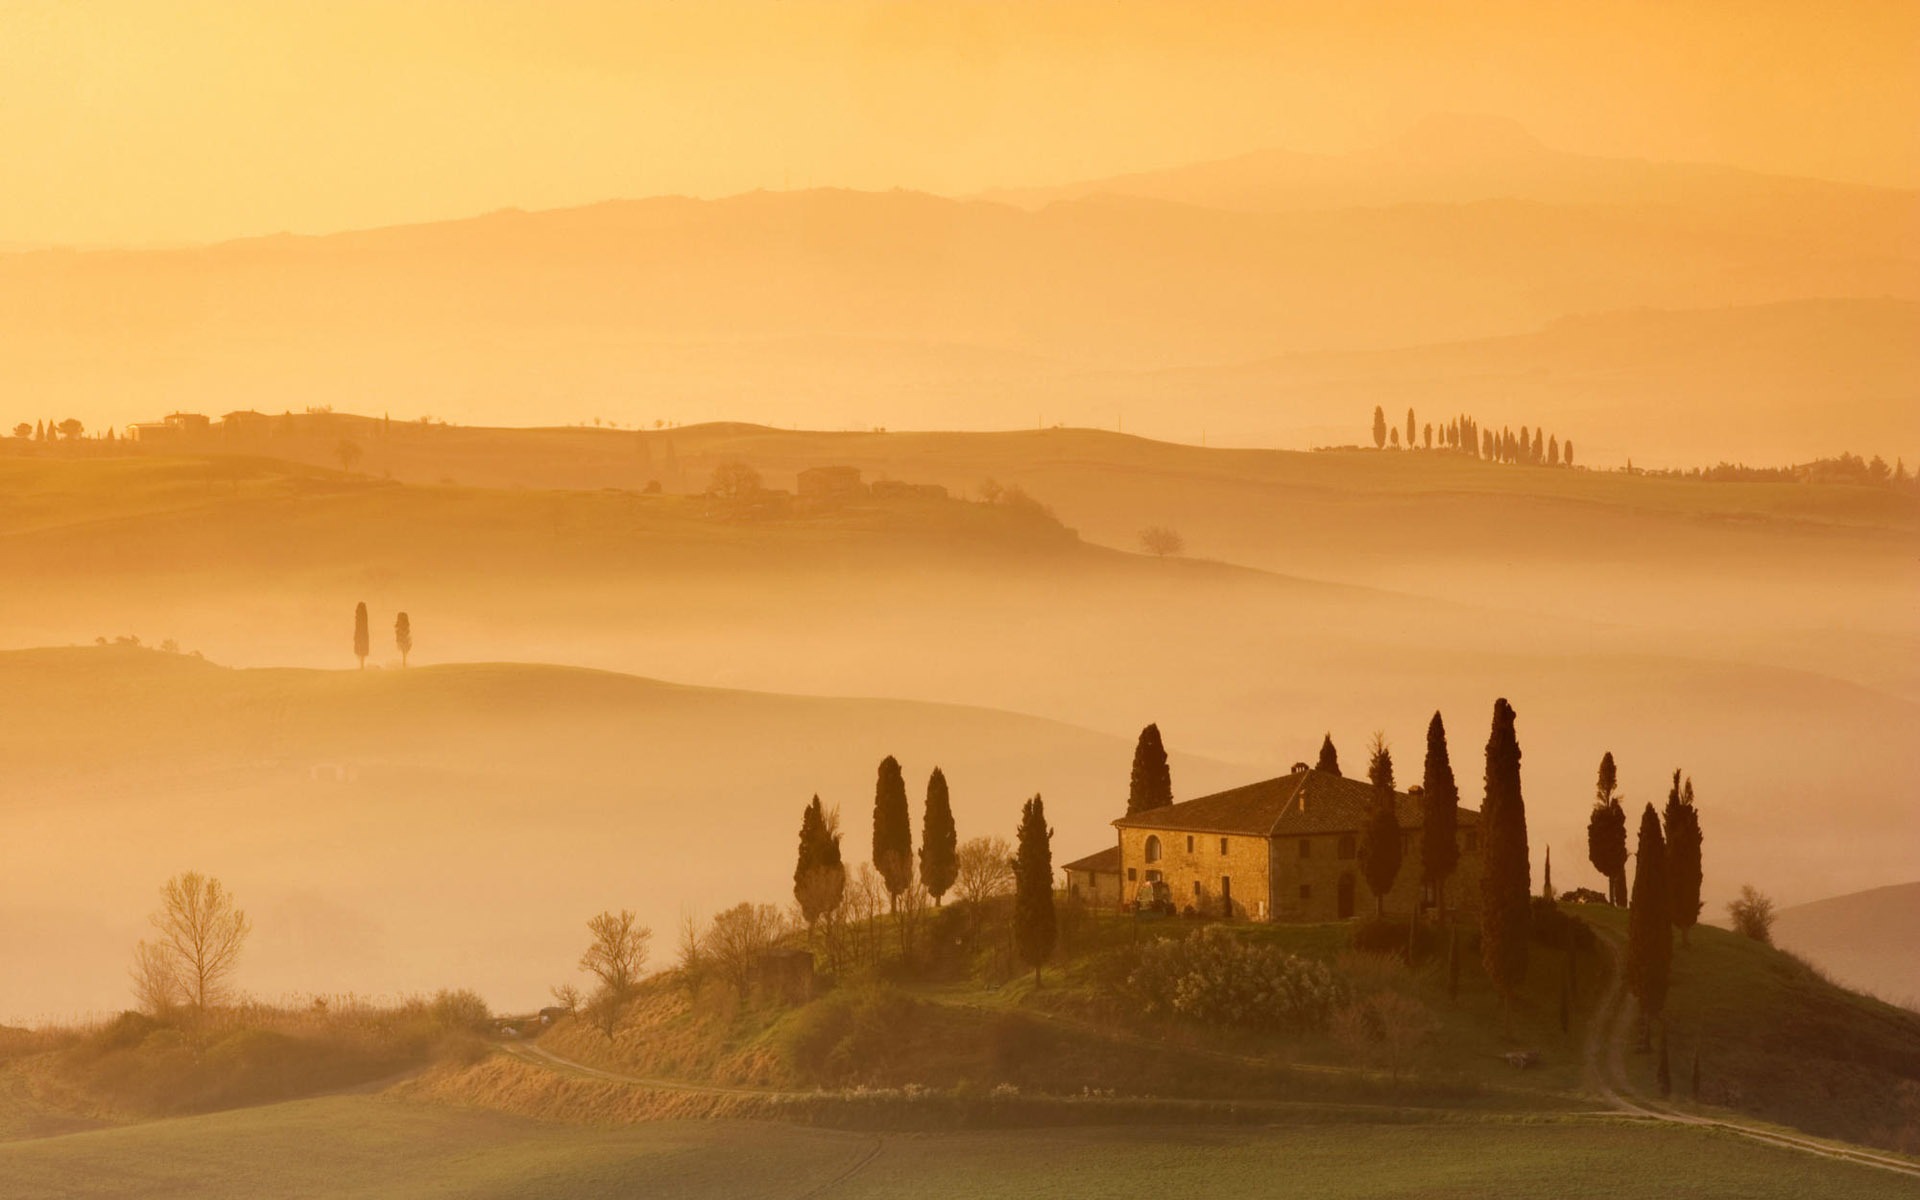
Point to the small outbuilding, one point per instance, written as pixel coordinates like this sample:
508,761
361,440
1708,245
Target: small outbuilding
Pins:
1095,879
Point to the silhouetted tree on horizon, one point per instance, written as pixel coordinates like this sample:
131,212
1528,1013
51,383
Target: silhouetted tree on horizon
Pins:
1650,922
1379,428
403,636
1607,833
892,831
1151,785
1034,927
1329,759
1682,821
1505,891
819,876
1410,429
1379,851
939,842
362,640
1439,816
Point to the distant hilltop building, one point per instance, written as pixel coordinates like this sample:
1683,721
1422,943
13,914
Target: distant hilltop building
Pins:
830,483
170,427
1284,849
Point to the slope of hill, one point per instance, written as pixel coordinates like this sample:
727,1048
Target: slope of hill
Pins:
1866,940
442,826
1461,159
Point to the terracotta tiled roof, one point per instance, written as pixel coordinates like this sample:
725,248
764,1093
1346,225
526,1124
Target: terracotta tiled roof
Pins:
1106,861
1303,802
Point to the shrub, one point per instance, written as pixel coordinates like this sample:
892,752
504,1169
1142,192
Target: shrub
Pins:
1554,926
847,1036
460,1010
1752,915
1386,1027
1215,977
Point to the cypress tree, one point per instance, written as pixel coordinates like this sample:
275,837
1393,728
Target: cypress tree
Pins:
1410,429
939,844
1329,757
1683,856
1379,849
892,831
403,636
819,877
1649,921
1379,428
1033,917
1607,833
1566,453
1439,816
1546,881
362,643
1505,900
1152,783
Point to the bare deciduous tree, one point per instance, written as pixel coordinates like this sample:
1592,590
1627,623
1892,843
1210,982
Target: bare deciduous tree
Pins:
348,452
984,870
201,934
738,937
617,952
1160,541
155,985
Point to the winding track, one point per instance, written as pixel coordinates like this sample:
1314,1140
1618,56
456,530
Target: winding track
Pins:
1606,1074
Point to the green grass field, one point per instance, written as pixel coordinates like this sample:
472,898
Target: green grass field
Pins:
355,1146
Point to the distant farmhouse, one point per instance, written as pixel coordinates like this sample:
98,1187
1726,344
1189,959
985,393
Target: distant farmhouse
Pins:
1281,850
172,427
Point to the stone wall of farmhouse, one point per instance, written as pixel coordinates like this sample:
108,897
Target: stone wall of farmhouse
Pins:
1205,870
1275,880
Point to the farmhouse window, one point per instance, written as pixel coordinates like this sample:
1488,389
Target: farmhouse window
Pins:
1223,845
1153,848
1132,874
1189,843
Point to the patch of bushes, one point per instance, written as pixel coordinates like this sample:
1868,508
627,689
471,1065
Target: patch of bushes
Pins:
1214,977
1553,926
848,1036
257,1054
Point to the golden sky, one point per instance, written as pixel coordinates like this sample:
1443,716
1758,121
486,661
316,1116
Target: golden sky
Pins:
167,120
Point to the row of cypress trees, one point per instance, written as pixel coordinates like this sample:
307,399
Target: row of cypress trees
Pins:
1463,435
820,874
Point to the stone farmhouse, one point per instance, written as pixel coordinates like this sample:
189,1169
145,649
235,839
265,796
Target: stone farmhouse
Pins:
1283,849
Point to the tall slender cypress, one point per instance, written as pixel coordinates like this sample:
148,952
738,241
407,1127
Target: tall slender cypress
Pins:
939,843
1329,757
1505,903
892,831
1650,921
362,641
1034,930
819,877
1607,833
1439,816
1151,785
1380,849
1683,856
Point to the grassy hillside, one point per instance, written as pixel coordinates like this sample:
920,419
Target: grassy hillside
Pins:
371,1147
1778,1040
1865,939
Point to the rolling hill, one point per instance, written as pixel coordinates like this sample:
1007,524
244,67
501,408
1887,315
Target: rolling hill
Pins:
1866,940
453,825
909,310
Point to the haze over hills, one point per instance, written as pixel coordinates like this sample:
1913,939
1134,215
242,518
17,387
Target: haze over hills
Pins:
451,825
906,310
1866,939
1656,619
